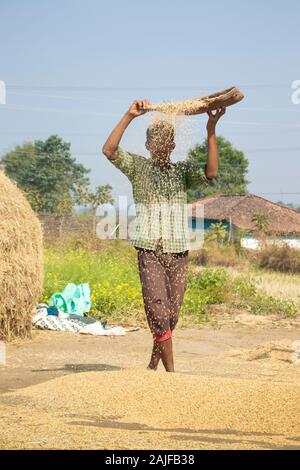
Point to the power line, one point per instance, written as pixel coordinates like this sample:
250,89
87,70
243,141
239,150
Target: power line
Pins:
281,192
59,110
111,100
20,132
76,98
105,114
80,134
140,87
275,149
220,166
273,124
88,153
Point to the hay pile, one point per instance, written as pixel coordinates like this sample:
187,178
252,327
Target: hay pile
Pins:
138,409
201,105
21,263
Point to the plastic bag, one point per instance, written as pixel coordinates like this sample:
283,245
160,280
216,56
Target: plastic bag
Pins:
73,299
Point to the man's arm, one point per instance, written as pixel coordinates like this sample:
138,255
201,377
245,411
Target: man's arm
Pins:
212,165
110,147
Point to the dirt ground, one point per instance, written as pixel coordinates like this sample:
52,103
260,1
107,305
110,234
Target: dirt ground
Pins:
236,386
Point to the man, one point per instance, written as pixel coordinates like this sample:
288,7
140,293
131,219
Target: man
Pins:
161,237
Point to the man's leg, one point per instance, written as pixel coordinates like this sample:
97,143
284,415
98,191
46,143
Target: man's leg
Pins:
166,350
157,307
167,355
162,350
176,267
177,282
155,356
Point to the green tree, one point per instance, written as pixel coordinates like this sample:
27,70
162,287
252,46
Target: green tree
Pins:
47,173
19,162
233,167
92,199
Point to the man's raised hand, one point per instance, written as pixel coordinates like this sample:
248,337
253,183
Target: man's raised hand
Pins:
213,118
138,108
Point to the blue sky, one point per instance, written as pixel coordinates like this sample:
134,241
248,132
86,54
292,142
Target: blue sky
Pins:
72,68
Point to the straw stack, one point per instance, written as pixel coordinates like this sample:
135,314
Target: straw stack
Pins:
21,261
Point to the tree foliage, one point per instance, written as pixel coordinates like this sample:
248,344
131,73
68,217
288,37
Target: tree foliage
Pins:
233,167
50,177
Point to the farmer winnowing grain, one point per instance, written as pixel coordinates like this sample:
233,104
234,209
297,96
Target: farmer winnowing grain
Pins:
163,248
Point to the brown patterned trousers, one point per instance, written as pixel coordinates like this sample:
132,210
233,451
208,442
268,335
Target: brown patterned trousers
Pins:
163,278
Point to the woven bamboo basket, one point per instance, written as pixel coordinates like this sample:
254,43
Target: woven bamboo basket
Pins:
227,97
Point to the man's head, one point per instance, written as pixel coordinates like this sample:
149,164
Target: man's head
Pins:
160,139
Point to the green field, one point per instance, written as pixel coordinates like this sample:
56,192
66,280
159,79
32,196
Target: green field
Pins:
111,271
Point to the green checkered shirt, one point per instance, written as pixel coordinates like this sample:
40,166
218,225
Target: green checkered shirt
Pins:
160,200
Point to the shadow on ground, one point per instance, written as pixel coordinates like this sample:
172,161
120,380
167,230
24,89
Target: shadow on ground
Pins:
21,378
225,436
81,368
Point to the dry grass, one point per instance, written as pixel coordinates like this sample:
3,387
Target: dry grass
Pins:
279,258
279,285
215,254
21,268
283,285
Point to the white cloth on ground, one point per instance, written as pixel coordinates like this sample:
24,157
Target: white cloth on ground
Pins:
62,322
98,329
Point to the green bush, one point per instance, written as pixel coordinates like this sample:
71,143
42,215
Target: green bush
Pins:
204,288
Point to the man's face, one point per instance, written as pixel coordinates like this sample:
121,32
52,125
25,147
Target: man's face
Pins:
161,140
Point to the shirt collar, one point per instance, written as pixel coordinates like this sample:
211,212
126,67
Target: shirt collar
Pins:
156,164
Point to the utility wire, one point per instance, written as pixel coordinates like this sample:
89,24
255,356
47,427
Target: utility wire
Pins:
105,114
75,98
141,87
127,101
275,149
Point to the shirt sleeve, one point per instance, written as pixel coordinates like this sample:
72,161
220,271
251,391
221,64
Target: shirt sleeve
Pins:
194,174
125,162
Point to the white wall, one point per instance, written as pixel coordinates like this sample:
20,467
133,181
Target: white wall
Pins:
252,243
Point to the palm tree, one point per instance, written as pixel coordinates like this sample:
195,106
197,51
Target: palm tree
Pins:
217,232
260,220
261,223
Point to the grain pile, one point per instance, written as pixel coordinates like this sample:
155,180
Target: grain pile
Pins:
271,352
200,105
139,409
21,267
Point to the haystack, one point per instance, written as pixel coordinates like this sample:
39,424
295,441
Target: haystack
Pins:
21,261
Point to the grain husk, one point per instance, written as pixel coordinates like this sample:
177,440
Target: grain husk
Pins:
201,105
